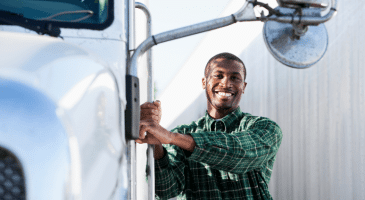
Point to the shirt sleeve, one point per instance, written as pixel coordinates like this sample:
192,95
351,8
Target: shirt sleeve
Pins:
238,152
169,173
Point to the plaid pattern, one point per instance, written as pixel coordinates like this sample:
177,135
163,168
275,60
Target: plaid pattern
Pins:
233,159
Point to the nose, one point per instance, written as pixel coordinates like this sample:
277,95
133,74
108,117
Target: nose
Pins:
225,82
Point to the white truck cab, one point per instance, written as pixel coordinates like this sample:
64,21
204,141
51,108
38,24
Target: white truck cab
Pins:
63,98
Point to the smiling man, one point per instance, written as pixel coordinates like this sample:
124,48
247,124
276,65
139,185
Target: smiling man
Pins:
226,154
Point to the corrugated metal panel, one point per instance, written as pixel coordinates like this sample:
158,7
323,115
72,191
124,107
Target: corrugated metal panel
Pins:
321,111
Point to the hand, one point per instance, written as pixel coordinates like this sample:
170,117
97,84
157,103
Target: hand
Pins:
149,139
157,135
154,132
151,111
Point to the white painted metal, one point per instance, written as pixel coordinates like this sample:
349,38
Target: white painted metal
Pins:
83,77
115,54
84,94
39,147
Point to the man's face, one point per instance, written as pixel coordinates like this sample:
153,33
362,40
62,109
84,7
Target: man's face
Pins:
224,84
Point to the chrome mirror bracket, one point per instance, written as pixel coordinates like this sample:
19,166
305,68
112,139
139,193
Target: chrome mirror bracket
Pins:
246,13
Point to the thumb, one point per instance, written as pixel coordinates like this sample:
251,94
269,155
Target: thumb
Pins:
157,103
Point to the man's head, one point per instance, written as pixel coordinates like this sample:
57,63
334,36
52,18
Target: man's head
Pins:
227,56
224,83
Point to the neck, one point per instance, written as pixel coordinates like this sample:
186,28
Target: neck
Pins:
218,113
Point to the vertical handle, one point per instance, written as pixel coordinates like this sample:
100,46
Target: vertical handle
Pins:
150,149
132,110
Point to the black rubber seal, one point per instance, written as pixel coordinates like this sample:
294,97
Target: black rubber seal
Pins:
234,18
132,112
154,39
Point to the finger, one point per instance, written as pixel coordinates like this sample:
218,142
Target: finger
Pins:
141,141
142,130
146,122
144,105
150,117
149,113
148,105
149,110
157,103
155,118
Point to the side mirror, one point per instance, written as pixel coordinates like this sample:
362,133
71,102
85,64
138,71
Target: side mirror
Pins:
298,3
302,42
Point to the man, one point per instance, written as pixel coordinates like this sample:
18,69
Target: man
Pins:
226,154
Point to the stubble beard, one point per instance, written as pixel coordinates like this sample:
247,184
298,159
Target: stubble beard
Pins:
212,105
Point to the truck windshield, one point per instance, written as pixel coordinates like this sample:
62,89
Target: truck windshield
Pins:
92,14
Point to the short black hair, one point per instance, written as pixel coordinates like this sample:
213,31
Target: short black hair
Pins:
227,56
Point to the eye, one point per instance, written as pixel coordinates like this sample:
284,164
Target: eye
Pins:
218,76
234,78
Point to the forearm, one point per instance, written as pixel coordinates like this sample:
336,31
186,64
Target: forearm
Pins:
185,142
237,153
169,172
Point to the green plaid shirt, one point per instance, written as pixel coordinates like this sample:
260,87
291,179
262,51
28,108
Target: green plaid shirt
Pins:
233,159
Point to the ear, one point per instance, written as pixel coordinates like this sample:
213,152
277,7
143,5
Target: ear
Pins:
244,87
204,82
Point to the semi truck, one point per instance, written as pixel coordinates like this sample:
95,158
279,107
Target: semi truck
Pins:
70,92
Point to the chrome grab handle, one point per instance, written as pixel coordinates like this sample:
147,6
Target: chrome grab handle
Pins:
150,149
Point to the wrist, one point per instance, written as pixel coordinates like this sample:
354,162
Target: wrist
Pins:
173,138
185,142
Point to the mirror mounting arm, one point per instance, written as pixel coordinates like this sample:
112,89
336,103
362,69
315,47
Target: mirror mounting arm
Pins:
306,20
246,13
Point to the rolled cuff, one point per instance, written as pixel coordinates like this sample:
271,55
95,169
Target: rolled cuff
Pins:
202,142
163,162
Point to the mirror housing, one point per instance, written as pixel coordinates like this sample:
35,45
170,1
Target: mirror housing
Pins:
297,45
301,3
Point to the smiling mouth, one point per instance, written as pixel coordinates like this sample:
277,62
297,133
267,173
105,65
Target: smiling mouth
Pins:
224,94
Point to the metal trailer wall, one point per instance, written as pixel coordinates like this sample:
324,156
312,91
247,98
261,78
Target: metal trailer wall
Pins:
321,111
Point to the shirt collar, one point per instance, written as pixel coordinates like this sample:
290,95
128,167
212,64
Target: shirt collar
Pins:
227,120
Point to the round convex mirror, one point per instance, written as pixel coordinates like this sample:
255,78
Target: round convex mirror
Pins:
294,51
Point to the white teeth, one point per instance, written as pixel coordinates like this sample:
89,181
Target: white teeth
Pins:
224,94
